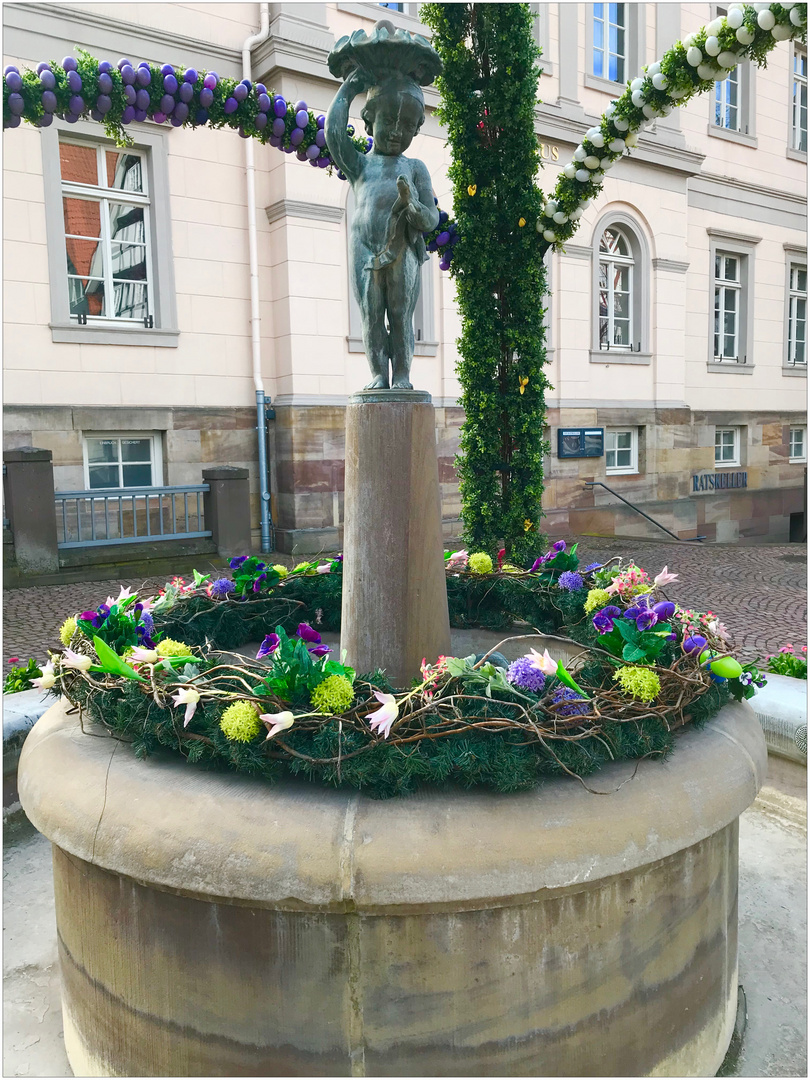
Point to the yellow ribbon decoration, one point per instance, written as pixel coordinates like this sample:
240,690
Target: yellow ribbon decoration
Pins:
523,383
522,222
471,190
527,525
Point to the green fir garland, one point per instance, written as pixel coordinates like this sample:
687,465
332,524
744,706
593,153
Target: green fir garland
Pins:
488,89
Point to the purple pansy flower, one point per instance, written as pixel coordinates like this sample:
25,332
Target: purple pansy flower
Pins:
306,633
646,619
746,678
537,564
571,581
237,562
558,547
603,620
257,584
320,650
269,645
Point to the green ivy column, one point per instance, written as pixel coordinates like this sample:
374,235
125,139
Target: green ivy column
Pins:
488,90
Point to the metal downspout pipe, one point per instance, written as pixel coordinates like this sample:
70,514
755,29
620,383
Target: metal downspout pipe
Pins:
255,318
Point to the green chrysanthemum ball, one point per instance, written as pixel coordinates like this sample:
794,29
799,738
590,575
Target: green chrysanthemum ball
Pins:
480,563
240,722
639,682
596,598
334,695
67,630
170,647
282,571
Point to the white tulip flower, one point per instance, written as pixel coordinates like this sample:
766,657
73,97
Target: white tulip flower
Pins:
551,208
688,41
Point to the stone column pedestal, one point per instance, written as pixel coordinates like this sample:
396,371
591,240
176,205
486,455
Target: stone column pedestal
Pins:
29,506
394,592
227,509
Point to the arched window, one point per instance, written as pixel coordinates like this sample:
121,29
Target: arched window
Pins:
621,267
616,267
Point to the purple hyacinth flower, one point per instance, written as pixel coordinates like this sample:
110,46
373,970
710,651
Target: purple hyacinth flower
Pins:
306,633
524,674
269,645
221,587
320,650
664,610
696,643
577,706
646,620
237,562
591,566
148,623
571,581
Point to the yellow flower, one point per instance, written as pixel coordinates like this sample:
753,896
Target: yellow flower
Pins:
522,222
67,630
596,598
471,190
527,525
334,695
240,722
480,563
170,647
639,682
523,383
282,571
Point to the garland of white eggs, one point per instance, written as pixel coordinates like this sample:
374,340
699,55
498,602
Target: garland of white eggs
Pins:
713,65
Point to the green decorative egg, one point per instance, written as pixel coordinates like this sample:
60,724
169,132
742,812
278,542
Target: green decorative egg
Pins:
726,667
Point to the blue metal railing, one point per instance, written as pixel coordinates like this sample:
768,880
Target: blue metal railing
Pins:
129,515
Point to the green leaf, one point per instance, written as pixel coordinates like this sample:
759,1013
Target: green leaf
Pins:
199,579
565,678
627,629
632,653
112,663
456,666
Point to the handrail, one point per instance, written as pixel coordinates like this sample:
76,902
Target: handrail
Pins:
680,539
103,511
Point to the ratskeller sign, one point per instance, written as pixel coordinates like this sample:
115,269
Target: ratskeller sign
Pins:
719,481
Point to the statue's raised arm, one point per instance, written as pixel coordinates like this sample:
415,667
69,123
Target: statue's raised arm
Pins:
340,144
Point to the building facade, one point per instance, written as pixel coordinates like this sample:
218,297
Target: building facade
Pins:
676,322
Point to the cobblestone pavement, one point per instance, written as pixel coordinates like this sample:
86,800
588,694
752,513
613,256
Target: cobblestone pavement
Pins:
758,592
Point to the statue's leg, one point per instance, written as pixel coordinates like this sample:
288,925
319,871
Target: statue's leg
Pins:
404,279
370,292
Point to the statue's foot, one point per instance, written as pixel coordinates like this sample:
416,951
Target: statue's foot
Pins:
402,383
378,383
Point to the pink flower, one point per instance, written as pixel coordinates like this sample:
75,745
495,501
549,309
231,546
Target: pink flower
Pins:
276,722
665,578
145,656
804,648
325,568
544,662
79,661
381,719
458,560
787,648
189,697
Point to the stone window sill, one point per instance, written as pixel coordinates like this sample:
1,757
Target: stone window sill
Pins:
795,371
113,335
731,135
420,348
606,86
796,155
614,356
733,369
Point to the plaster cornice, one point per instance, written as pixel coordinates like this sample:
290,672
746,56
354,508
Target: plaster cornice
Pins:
295,208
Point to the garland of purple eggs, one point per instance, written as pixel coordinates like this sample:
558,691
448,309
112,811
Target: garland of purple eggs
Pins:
117,96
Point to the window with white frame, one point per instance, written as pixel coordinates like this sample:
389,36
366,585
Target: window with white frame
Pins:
122,460
727,104
621,451
609,42
799,101
616,265
105,203
797,316
798,445
727,446
727,307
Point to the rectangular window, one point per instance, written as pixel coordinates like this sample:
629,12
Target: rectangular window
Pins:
798,445
727,305
799,101
609,53
727,446
105,204
797,316
122,460
727,111
621,451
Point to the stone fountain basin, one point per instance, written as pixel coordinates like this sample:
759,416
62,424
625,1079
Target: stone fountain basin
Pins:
212,925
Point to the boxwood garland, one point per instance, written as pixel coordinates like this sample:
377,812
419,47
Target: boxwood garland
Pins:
464,723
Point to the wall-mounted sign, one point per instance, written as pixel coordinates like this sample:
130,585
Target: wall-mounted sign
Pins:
580,442
550,153
719,481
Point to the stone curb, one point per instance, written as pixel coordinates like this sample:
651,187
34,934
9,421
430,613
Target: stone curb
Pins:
20,713
781,709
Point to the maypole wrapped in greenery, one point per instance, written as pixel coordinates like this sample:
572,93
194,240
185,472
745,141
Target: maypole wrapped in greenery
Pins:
489,88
